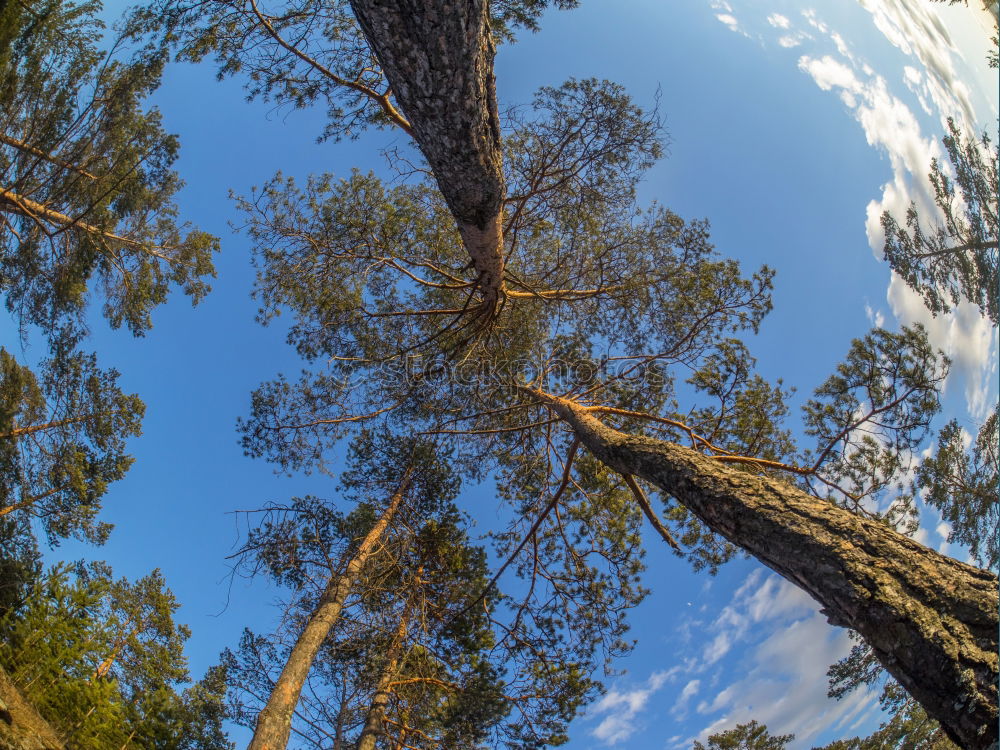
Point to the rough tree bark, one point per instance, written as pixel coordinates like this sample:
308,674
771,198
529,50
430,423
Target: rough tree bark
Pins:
375,718
931,620
21,726
274,723
438,57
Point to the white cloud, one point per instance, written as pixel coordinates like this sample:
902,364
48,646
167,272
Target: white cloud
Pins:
943,529
965,336
779,21
718,647
813,20
679,710
622,708
784,684
838,40
915,28
789,41
891,127
875,317
729,20
829,73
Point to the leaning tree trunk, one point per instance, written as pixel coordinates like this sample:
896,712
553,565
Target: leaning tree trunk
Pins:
375,718
930,620
274,723
438,57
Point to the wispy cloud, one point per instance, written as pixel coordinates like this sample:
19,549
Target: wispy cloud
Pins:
779,21
915,28
620,710
891,127
724,14
784,684
680,707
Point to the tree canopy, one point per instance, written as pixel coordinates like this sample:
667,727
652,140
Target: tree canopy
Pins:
507,310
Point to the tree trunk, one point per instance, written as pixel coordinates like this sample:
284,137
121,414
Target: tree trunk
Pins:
930,620
21,726
274,723
438,57
376,709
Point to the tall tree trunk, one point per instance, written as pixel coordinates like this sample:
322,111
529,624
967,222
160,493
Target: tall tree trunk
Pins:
376,709
930,620
274,723
438,57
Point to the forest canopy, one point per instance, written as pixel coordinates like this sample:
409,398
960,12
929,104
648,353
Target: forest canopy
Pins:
503,313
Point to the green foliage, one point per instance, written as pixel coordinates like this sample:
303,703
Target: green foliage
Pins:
300,53
956,258
85,179
20,562
62,439
421,621
750,736
964,488
870,416
100,658
908,727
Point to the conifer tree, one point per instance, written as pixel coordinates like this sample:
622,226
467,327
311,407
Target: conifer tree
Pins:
86,215
62,440
85,179
424,649
749,736
953,256
376,279
101,660
646,290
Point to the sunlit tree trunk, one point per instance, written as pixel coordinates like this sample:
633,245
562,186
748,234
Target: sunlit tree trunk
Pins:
438,58
930,620
274,723
375,719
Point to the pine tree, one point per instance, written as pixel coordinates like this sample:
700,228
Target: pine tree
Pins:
62,440
85,179
424,648
749,736
603,304
101,660
955,257
646,290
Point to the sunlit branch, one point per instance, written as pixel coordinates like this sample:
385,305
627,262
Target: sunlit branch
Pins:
382,100
28,148
37,212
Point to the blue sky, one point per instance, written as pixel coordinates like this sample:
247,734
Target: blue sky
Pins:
792,127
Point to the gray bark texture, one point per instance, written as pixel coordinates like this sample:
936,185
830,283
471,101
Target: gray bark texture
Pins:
274,722
931,620
438,57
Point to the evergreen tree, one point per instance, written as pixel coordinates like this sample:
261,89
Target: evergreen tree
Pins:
424,649
953,256
62,440
101,660
373,66
749,736
587,310
85,179
20,562
86,214
646,290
